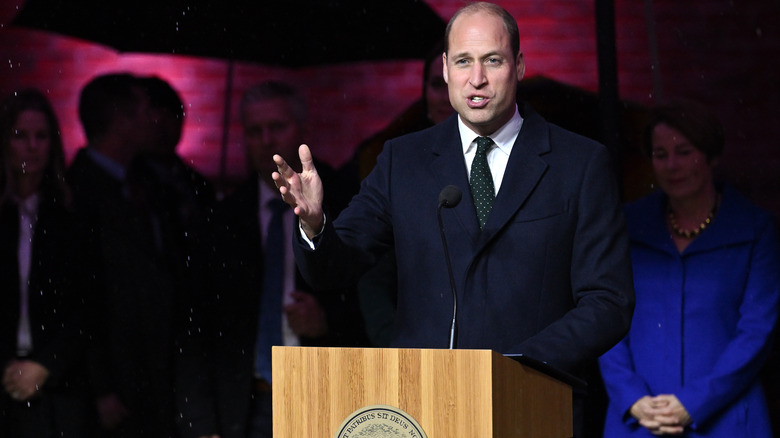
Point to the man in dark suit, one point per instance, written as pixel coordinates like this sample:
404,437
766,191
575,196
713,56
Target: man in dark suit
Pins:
135,287
220,394
542,269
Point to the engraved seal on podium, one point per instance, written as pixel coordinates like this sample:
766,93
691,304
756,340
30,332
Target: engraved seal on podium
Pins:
380,421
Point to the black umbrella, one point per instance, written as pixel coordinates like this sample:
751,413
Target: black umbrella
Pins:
293,33
287,33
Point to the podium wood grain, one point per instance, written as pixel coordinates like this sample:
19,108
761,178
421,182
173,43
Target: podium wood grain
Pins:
450,393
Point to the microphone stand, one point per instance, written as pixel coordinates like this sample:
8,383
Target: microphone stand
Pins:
449,198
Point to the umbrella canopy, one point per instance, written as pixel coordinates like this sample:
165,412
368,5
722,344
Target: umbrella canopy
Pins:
293,33
287,33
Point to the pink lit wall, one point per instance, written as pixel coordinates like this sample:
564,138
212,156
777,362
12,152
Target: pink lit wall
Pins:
721,52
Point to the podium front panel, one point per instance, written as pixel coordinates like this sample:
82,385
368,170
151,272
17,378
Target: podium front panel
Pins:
450,393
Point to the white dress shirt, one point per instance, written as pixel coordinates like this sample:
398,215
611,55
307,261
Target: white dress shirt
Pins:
497,156
28,216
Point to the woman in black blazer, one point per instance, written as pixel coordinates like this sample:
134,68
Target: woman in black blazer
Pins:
41,296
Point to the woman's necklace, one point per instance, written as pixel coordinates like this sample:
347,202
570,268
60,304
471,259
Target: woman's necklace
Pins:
690,234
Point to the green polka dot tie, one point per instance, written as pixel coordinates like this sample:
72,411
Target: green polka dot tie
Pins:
481,181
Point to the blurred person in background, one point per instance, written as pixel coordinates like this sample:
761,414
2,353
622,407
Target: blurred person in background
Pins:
432,108
377,288
258,297
193,194
132,259
707,276
42,292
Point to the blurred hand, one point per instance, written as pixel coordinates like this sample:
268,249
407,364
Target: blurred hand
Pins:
662,414
673,418
111,411
306,316
22,379
302,191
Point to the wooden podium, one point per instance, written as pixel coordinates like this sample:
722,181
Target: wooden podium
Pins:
450,393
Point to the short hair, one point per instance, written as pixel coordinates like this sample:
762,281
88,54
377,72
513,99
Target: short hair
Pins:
104,98
268,90
695,121
53,183
510,24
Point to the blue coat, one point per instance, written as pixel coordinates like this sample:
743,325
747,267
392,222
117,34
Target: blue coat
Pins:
549,276
703,321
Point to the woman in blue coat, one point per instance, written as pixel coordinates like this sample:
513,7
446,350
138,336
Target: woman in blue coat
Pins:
706,264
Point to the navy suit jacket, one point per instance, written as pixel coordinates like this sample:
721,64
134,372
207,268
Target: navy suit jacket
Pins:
549,276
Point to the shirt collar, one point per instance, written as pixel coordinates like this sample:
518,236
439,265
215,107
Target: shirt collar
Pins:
504,137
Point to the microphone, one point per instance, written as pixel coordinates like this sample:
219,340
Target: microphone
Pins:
449,197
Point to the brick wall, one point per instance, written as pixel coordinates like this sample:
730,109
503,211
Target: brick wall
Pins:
722,52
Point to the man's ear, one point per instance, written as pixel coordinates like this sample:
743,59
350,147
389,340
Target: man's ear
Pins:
444,67
520,65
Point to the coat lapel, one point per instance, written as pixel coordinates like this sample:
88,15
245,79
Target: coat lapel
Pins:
524,170
449,168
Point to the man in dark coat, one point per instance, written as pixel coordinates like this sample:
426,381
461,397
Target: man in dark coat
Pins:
134,284
221,381
538,243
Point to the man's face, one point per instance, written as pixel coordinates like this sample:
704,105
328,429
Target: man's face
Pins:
139,129
481,72
270,128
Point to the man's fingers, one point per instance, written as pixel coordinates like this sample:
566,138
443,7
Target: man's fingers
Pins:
304,154
282,167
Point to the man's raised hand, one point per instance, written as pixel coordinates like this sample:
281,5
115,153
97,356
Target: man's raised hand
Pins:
302,191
